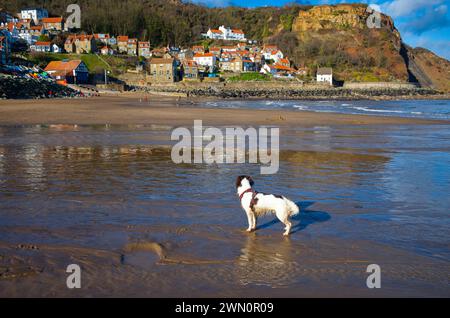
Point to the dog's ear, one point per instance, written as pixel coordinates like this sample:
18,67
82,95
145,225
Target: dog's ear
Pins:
238,181
250,180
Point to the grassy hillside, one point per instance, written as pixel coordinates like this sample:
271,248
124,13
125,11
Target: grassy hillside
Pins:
95,64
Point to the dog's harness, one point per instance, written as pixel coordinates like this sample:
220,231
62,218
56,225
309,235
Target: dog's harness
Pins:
253,200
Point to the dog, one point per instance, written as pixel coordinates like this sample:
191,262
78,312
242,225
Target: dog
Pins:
257,204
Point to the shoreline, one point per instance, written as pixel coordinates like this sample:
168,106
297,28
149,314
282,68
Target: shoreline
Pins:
133,109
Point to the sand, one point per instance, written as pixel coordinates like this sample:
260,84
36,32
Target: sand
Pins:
134,109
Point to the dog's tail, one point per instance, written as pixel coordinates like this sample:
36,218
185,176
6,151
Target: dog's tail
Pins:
293,208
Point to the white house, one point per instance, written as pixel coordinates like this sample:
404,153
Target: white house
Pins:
226,33
325,75
274,55
56,48
205,59
41,46
35,14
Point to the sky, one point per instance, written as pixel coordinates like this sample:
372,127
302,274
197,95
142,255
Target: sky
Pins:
424,23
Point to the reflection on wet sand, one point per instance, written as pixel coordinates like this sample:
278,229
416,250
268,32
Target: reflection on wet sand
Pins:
265,261
111,199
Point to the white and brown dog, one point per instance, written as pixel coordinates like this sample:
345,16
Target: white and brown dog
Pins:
257,204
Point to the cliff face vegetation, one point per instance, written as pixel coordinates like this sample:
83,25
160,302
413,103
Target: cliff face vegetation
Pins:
338,36
311,36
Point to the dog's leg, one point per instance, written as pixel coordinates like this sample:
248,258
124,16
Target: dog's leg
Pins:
253,221
283,217
250,220
287,228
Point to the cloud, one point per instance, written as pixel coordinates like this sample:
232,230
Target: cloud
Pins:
398,8
432,19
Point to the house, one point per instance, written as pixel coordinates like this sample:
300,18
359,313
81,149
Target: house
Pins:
248,65
132,46
277,70
106,50
229,48
225,33
122,43
144,49
186,54
112,41
80,44
36,14
190,70
56,48
325,75
198,49
102,37
28,23
207,60
274,55
284,62
215,34
4,48
68,71
163,69
234,65
37,30
53,24
215,50
41,46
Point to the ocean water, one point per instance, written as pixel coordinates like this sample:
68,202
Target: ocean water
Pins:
431,109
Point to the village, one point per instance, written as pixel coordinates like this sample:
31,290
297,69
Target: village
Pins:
226,54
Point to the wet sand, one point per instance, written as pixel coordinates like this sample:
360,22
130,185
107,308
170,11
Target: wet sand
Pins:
109,199
135,109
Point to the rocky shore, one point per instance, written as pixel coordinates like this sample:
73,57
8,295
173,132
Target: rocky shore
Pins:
30,88
297,93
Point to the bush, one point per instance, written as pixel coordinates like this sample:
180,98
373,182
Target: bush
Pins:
253,76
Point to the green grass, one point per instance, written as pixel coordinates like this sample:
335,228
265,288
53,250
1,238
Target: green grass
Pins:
251,76
92,61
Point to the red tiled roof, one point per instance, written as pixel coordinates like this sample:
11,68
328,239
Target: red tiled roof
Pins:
239,31
101,36
203,55
52,20
122,38
46,43
62,67
216,31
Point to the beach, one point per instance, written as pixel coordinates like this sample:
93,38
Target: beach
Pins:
153,109
90,181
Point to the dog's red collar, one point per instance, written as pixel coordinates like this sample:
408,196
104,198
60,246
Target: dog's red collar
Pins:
246,191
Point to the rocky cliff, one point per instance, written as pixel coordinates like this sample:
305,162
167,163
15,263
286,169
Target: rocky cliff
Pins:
341,37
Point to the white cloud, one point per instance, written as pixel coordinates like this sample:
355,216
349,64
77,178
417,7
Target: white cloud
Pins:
398,8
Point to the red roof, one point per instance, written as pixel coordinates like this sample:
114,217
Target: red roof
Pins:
101,35
42,43
62,67
216,31
52,20
122,38
239,31
203,55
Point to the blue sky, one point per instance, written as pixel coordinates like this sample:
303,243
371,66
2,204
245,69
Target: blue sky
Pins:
424,23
